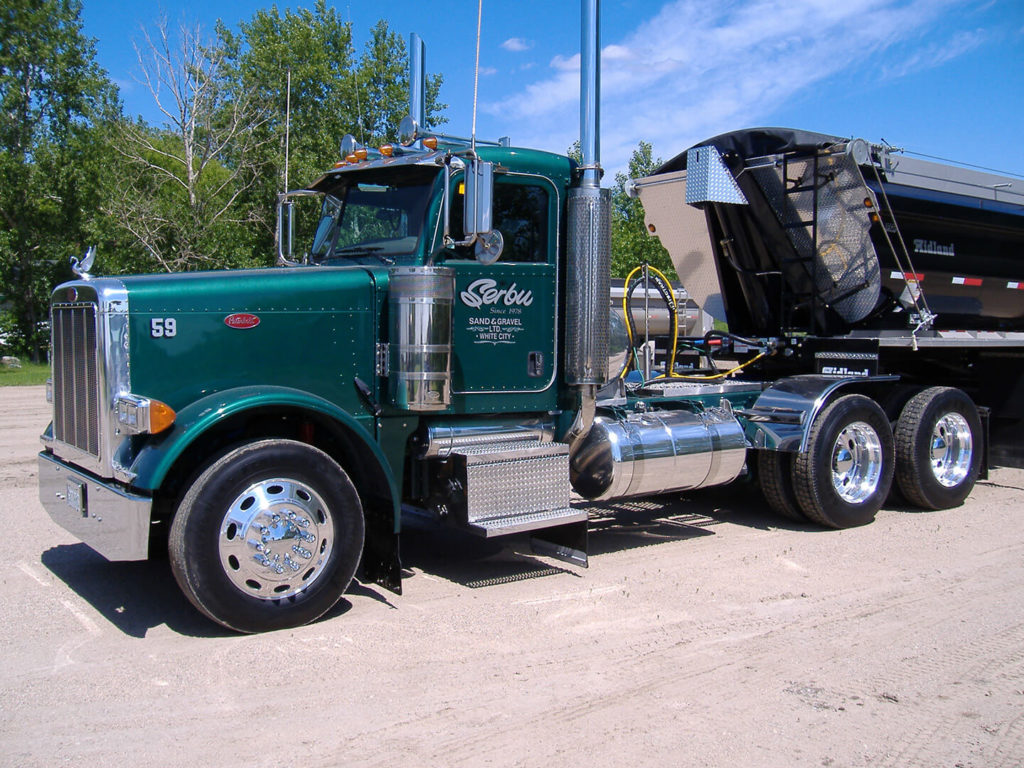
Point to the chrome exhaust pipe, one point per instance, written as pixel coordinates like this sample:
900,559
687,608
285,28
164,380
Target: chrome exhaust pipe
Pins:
589,242
417,80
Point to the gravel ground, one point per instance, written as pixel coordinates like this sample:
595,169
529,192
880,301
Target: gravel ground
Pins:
706,632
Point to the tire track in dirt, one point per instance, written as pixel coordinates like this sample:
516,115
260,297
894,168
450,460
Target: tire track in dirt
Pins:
630,683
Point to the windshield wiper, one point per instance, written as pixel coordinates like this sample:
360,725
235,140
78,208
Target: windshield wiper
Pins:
364,250
358,249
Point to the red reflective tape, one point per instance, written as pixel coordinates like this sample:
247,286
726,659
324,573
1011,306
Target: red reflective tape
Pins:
913,276
973,281
1015,285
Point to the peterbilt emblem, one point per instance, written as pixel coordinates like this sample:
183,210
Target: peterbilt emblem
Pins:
241,320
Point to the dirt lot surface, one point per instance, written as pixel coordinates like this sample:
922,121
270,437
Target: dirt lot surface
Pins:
706,632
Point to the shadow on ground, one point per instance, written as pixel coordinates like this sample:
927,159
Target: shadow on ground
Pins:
614,527
138,596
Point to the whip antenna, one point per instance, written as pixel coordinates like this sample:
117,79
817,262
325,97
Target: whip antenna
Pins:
355,79
287,125
476,73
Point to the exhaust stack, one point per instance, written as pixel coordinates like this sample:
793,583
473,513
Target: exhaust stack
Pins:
590,93
589,241
417,80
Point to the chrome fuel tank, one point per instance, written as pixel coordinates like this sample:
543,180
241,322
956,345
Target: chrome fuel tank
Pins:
658,452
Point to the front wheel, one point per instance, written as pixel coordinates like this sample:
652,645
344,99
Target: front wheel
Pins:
938,448
268,537
845,474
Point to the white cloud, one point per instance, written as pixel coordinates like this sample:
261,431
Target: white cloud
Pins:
695,69
488,71
517,44
935,54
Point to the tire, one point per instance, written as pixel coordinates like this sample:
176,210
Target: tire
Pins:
774,472
938,448
845,475
268,537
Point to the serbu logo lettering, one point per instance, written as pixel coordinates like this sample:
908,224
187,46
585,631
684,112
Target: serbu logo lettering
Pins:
486,292
241,320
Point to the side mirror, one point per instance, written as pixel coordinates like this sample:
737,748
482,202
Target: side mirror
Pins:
478,212
286,221
285,231
479,197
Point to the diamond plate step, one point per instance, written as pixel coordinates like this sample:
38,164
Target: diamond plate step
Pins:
514,487
503,526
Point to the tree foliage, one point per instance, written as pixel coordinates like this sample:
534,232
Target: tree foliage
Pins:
182,186
631,245
333,93
53,101
197,190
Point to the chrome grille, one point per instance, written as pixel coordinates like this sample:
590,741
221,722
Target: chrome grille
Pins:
76,395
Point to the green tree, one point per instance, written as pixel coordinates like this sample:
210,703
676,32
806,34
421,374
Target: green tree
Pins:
53,100
383,88
332,94
179,191
631,244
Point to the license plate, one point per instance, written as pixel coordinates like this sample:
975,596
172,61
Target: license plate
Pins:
76,497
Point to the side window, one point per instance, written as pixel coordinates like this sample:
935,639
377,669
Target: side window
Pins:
520,214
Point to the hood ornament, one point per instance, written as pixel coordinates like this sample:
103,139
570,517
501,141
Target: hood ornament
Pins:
82,266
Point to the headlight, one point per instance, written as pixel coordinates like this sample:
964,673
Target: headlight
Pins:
138,415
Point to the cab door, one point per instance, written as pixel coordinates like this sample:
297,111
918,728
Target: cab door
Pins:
503,332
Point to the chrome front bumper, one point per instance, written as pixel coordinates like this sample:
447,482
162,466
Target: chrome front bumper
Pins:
110,520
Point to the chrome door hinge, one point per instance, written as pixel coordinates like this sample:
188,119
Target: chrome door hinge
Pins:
382,367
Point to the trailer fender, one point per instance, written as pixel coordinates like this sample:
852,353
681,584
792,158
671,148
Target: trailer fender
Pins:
155,460
781,417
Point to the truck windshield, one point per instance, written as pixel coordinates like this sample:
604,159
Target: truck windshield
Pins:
379,215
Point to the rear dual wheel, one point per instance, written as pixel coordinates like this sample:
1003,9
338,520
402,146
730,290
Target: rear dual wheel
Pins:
938,448
775,474
845,474
853,456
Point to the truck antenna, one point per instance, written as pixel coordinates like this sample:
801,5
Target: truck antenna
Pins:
287,125
355,79
476,73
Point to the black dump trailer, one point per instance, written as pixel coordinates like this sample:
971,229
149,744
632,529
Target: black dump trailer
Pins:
852,260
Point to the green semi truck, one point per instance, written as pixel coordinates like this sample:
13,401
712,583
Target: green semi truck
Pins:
440,345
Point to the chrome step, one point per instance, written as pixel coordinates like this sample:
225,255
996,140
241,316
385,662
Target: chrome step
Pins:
503,526
515,487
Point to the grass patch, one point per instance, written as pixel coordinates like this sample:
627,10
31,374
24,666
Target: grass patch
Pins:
28,375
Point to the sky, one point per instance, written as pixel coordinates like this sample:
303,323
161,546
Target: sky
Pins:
940,78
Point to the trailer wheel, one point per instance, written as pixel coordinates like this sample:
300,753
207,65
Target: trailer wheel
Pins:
938,448
845,474
774,472
268,537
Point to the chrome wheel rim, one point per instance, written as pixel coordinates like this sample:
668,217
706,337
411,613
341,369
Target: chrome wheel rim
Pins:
951,450
276,539
856,462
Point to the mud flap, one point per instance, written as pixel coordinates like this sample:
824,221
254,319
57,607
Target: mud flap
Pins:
381,561
567,543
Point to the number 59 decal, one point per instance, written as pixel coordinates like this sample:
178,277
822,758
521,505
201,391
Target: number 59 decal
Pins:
163,327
